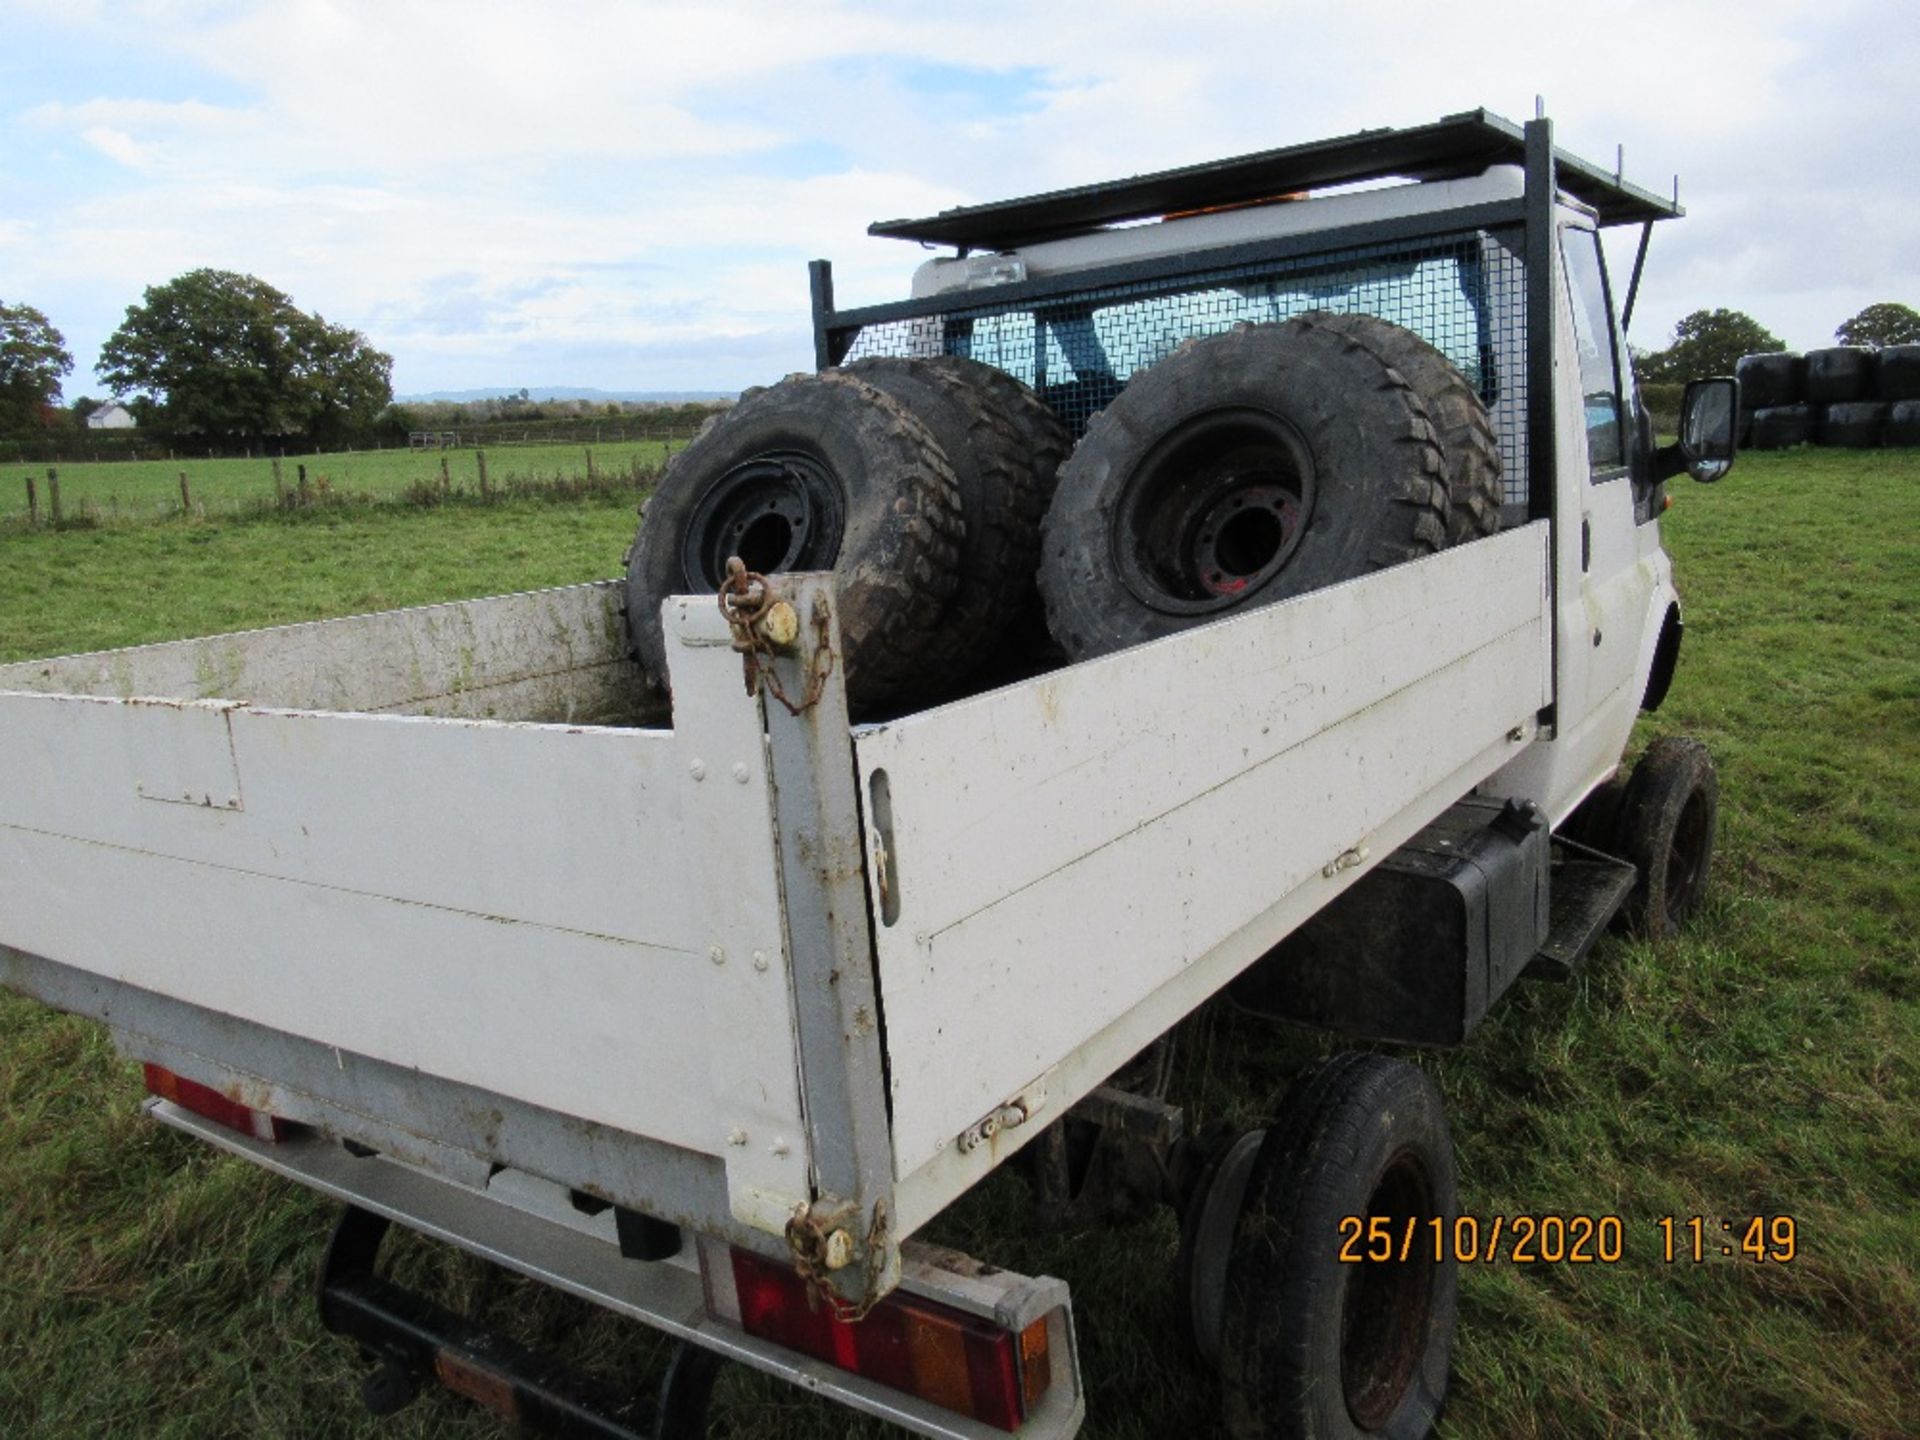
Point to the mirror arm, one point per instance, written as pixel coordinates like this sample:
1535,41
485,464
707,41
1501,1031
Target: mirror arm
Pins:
1669,461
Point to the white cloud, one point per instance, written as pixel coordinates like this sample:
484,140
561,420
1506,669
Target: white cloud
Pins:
612,183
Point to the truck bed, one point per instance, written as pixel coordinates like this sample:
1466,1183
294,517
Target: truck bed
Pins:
422,879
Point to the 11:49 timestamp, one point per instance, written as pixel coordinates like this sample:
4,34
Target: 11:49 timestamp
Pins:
1772,1238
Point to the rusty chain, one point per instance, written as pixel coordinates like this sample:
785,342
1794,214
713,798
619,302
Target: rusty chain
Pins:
808,1238
748,600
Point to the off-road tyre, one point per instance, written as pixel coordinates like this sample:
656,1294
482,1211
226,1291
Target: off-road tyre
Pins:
1896,373
1045,444
1312,1346
1459,417
1854,425
1666,828
875,501
1775,378
1903,423
1244,468
1781,427
1044,441
999,497
1838,374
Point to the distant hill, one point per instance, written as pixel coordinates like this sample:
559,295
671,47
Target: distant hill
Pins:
537,393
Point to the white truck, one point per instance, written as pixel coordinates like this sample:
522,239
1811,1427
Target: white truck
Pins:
704,1021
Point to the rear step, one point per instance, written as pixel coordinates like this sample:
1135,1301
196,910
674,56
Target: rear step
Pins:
1588,889
413,1340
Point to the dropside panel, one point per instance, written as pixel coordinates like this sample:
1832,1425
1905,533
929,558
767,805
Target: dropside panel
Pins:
1062,850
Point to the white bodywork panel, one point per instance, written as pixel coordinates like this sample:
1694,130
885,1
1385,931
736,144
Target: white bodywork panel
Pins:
1063,850
590,920
530,909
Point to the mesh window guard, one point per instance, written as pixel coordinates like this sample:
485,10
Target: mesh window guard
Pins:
1464,294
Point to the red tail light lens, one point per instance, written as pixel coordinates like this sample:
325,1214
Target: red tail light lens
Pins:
205,1101
957,1361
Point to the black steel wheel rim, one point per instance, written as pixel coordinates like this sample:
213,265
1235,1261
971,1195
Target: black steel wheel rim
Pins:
1686,855
1213,512
1387,1306
778,511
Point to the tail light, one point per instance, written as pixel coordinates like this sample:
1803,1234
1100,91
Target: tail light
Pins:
206,1101
942,1354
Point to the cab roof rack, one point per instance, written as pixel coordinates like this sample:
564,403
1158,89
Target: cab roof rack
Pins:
1457,146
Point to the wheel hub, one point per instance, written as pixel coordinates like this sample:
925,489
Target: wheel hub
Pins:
1214,512
779,511
1384,1313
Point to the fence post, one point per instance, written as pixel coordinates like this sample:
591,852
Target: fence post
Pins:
186,497
53,493
279,485
33,502
446,479
589,466
303,483
480,459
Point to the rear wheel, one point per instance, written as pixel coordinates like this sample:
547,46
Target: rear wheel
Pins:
1309,1344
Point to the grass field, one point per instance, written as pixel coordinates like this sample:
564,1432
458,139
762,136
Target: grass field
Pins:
1766,1063
140,490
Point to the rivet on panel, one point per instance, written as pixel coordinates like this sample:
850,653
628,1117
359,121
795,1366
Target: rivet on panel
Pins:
698,769
717,954
759,959
740,771
736,1137
780,1145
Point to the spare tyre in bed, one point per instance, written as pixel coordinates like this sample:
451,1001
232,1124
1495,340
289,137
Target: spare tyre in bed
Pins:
1244,468
1458,414
1002,498
819,472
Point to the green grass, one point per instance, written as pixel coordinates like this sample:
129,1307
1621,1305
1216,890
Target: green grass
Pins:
1765,1063
140,490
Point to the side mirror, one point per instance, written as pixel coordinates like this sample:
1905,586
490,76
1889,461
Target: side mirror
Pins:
1707,417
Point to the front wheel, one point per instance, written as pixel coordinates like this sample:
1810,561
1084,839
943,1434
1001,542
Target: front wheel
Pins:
1313,1337
1668,816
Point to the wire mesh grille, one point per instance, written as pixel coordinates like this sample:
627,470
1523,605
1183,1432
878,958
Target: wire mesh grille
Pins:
1465,295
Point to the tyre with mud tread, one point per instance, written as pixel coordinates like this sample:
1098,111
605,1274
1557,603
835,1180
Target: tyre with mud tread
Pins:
1773,378
998,498
1781,427
1458,414
1045,444
1666,827
1310,1345
1244,468
819,472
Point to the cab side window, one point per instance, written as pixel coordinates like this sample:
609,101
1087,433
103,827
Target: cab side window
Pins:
1599,364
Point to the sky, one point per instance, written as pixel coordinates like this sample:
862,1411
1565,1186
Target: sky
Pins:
624,194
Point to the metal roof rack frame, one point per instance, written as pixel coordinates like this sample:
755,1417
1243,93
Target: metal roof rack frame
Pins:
1456,146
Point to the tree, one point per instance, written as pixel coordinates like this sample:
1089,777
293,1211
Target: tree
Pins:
33,357
227,358
1707,342
1888,323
